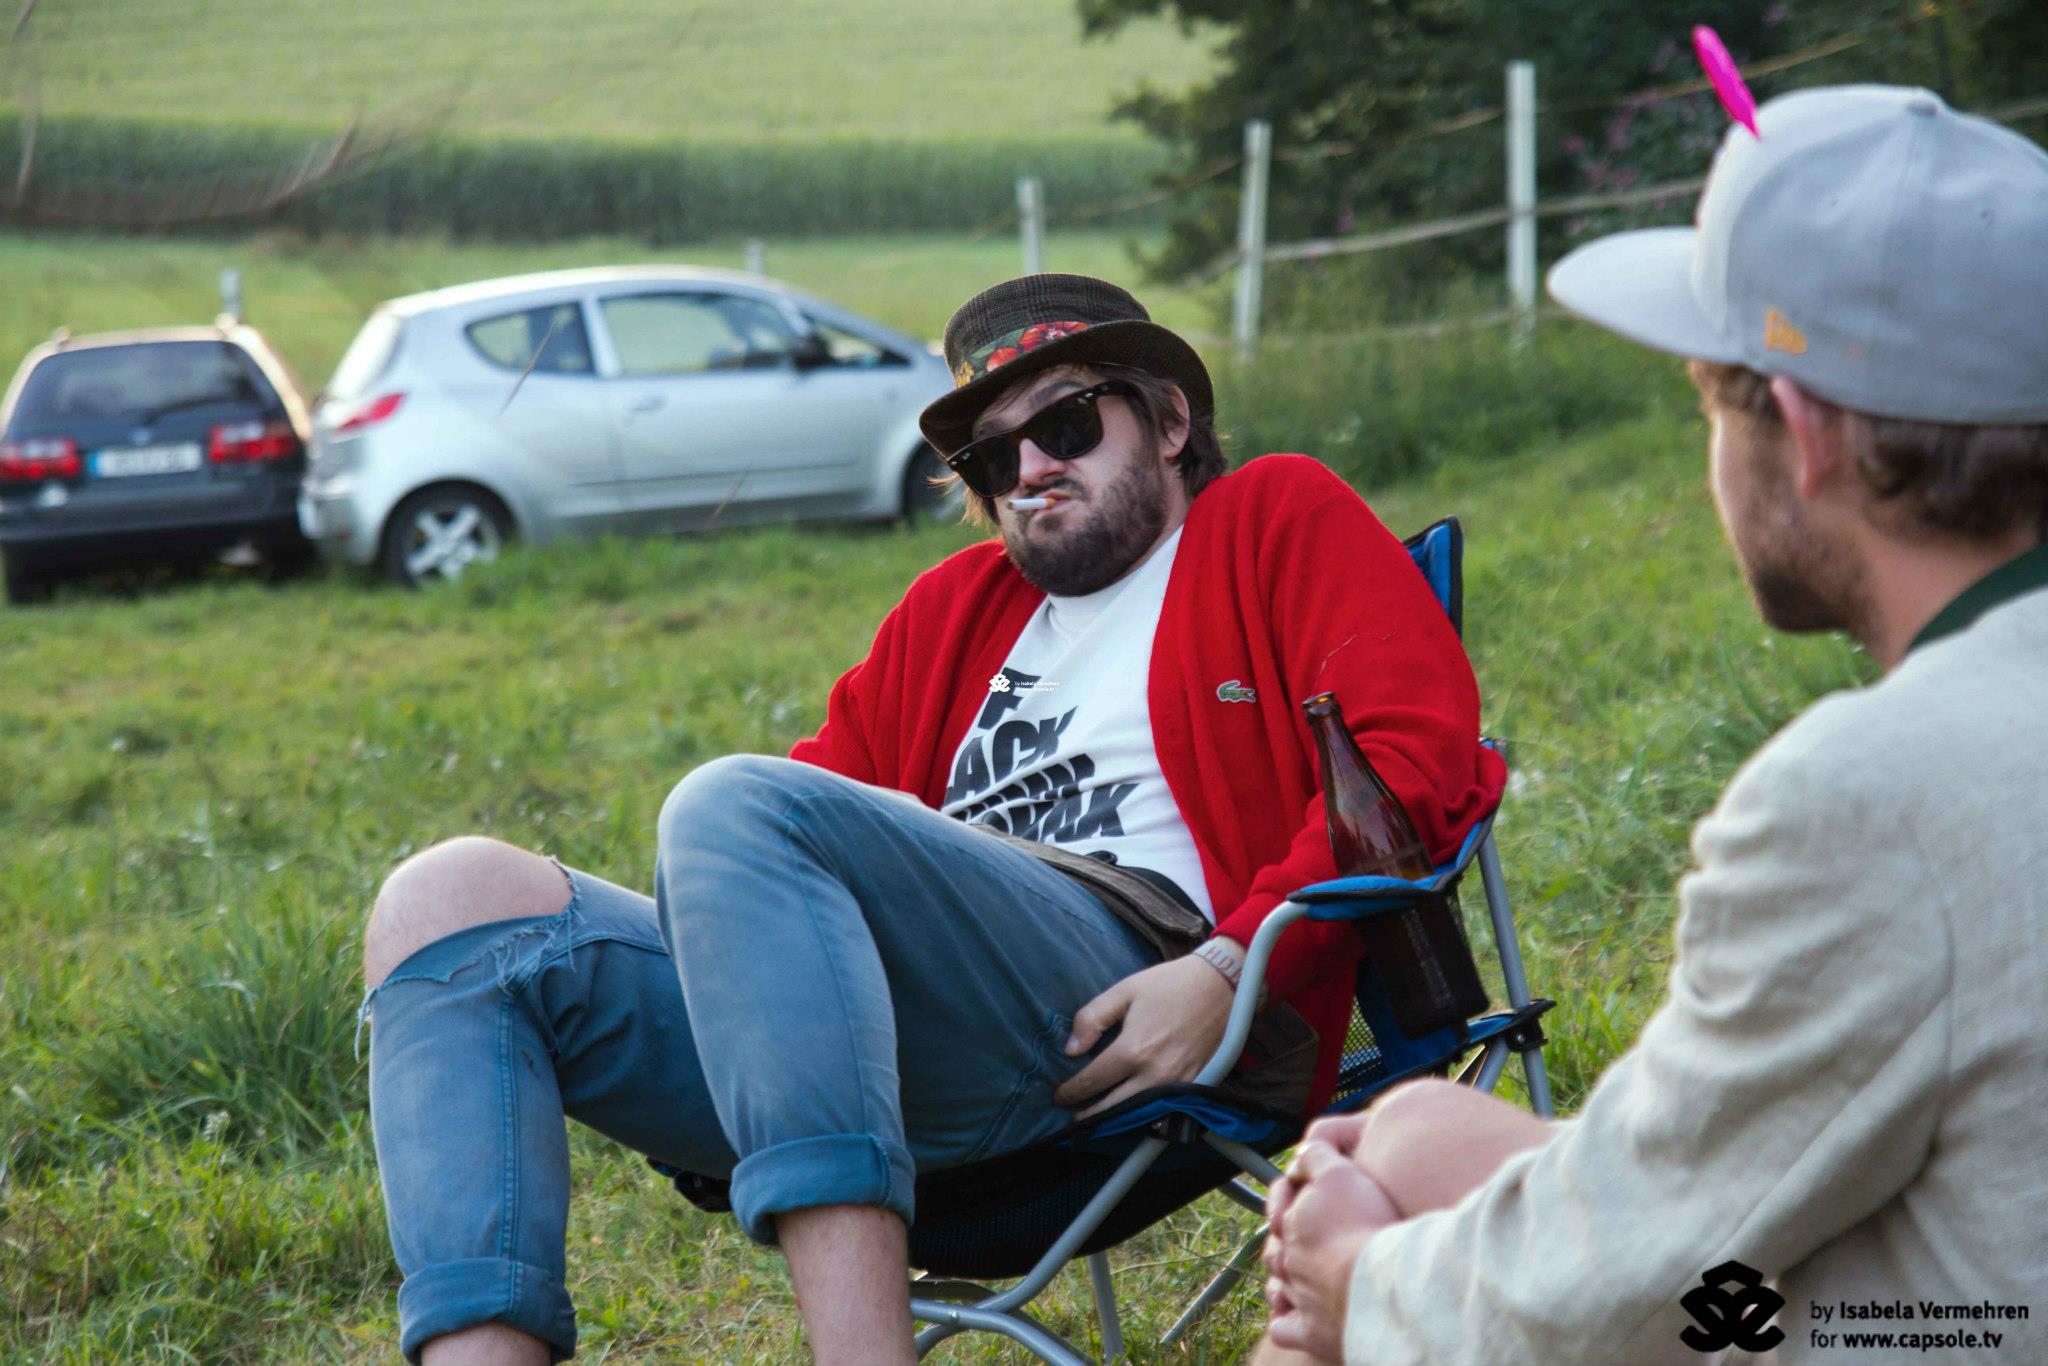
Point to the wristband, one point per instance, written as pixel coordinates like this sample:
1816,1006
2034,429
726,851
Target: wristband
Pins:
1226,964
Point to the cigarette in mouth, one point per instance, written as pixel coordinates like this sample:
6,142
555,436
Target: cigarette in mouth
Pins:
1029,504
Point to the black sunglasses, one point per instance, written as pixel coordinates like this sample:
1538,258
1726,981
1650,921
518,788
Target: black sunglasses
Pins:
1065,429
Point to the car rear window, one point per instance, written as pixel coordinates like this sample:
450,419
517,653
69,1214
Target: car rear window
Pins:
139,382
550,339
367,357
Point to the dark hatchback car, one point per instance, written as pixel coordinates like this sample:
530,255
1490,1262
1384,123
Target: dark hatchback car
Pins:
130,447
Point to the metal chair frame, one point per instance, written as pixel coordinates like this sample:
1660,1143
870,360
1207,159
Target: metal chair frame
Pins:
951,1307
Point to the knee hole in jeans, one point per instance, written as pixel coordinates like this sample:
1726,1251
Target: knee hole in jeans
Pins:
410,915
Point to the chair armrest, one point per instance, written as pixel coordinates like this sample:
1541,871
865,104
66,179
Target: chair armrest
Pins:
1352,898
1361,898
1251,986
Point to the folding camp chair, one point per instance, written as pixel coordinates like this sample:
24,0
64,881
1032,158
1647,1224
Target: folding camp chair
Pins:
1028,1213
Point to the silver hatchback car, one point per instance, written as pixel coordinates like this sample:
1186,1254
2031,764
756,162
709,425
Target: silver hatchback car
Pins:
633,398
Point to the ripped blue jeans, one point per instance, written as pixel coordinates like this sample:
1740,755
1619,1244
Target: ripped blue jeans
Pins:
833,988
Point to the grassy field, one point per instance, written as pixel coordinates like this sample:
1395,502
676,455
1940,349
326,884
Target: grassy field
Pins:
311,297
523,122
915,69
207,782
1372,407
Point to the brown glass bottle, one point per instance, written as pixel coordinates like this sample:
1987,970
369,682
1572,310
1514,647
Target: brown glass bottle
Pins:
1372,836
1370,833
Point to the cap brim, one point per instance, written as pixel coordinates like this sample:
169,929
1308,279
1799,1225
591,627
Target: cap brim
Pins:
948,422
1639,284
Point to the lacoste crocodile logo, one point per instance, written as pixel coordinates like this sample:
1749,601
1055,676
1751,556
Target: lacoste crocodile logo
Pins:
1230,690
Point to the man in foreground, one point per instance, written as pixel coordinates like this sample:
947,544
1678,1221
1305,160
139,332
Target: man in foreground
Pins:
1843,1093
840,980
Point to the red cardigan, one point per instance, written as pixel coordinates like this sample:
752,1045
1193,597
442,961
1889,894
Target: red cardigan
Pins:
1284,583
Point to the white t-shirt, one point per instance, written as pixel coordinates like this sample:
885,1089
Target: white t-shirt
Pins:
1062,750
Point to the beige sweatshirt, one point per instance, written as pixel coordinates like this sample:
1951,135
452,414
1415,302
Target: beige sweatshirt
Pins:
1847,1087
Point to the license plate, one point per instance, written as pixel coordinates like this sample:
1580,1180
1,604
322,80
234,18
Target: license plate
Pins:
119,461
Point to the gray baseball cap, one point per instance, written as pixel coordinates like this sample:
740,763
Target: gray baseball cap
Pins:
1885,252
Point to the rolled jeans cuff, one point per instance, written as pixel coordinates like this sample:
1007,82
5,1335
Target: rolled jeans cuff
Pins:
455,1295
837,1169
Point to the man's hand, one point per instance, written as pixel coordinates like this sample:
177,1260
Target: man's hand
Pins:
1328,1210
1173,1017
1340,1132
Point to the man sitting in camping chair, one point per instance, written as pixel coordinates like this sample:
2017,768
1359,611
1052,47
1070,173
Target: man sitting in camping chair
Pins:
960,912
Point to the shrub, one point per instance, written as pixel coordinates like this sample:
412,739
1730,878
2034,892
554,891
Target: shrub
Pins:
1380,407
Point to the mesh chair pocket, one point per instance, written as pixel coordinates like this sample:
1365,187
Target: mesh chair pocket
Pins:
1425,964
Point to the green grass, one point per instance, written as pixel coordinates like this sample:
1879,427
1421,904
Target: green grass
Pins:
311,297
523,121
700,69
207,782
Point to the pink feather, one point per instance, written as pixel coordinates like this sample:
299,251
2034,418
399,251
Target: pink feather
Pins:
1727,81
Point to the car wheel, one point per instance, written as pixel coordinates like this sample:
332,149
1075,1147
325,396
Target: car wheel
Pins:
25,584
437,533
923,503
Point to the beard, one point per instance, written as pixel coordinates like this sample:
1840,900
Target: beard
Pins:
1792,602
1123,524
1800,582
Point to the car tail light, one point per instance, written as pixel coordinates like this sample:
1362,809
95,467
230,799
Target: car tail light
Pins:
46,457
370,414
237,442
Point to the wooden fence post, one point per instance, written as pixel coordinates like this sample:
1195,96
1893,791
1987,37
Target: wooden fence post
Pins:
1031,222
1251,236
1522,198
